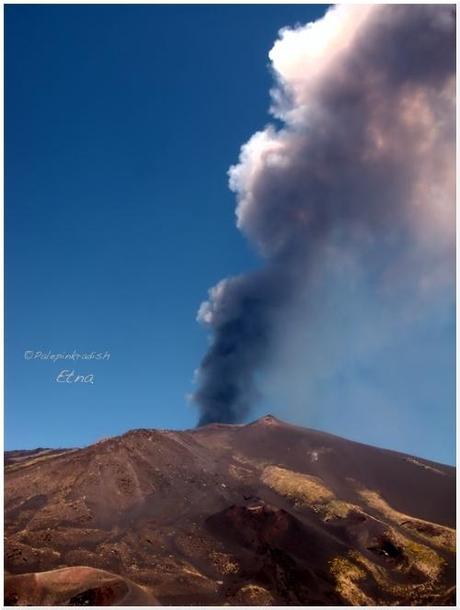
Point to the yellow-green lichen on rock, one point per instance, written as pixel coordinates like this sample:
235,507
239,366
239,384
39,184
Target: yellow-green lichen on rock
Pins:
347,575
438,535
301,489
305,490
253,595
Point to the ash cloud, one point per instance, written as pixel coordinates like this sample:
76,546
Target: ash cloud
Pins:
362,169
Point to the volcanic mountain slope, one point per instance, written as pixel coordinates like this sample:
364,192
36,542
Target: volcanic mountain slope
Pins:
266,513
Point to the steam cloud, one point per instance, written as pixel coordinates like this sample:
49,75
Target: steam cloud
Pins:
363,163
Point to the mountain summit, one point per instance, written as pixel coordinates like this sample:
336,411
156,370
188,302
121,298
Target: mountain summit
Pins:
261,514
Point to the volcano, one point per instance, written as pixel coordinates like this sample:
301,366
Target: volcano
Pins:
266,513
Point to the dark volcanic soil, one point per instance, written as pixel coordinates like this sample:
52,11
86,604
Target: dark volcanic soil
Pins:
262,514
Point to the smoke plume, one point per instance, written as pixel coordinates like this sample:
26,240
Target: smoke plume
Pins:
361,169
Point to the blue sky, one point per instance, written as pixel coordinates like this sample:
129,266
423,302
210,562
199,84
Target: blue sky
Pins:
120,125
